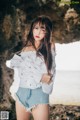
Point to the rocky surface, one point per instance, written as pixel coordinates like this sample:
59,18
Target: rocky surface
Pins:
62,112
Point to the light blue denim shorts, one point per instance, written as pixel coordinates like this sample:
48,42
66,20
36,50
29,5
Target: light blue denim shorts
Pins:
30,98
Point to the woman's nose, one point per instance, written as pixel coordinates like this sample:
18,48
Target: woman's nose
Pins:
39,31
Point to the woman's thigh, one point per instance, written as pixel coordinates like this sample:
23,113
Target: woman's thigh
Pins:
21,112
41,112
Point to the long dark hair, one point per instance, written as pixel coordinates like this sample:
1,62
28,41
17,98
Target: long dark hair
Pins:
45,46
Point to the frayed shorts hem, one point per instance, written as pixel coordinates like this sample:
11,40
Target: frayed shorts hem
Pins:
33,107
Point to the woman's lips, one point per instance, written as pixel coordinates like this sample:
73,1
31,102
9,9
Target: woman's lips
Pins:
37,36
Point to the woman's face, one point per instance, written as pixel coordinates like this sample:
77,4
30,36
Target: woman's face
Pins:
38,32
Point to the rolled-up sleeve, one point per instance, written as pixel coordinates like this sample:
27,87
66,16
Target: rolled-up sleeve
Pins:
14,62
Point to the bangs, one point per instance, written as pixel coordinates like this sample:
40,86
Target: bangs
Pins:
41,25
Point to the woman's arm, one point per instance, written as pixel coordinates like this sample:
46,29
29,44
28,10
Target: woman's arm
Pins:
46,78
14,62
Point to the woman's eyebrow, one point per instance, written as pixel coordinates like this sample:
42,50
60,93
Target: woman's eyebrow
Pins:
42,27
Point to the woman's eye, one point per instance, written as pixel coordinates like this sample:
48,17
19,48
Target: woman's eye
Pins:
43,30
36,27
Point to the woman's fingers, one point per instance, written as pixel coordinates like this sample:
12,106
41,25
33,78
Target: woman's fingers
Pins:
46,78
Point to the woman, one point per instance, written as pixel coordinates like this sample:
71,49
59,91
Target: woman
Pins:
34,72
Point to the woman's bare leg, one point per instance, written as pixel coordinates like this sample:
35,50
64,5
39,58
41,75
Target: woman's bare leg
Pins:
21,112
41,112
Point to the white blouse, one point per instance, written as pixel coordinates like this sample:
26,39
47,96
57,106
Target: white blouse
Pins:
28,71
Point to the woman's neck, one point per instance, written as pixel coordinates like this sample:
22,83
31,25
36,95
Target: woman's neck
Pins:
37,44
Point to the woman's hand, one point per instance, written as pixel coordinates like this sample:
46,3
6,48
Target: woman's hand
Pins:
46,78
